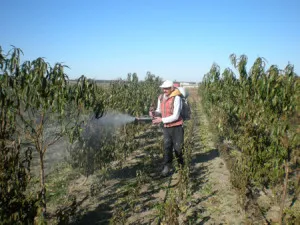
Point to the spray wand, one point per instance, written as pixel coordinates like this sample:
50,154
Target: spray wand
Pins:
143,119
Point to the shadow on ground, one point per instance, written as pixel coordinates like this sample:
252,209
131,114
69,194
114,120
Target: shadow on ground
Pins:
110,195
205,157
101,215
198,178
103,212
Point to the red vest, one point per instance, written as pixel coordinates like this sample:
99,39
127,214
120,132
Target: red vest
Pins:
166,108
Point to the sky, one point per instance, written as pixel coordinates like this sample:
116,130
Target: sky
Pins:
172,39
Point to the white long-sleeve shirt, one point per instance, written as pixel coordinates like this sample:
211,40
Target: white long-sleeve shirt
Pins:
176,110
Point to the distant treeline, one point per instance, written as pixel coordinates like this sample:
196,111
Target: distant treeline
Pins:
97,81
110,81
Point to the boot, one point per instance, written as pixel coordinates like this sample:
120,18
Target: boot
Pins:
165,171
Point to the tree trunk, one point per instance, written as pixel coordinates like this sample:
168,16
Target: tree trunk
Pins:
42,183
285,186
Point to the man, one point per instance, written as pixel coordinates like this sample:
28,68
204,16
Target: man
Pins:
169,107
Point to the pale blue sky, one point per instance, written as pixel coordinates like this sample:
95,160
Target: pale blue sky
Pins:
177,40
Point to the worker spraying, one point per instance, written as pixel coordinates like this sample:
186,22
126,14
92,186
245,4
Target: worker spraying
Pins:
169,112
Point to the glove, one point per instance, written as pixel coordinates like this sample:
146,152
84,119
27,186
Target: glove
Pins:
156,120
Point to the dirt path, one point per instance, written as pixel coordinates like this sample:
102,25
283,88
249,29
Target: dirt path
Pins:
220,205
137,194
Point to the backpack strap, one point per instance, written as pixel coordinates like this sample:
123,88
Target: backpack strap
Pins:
172,104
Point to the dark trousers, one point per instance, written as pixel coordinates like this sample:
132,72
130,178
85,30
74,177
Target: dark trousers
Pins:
173,139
